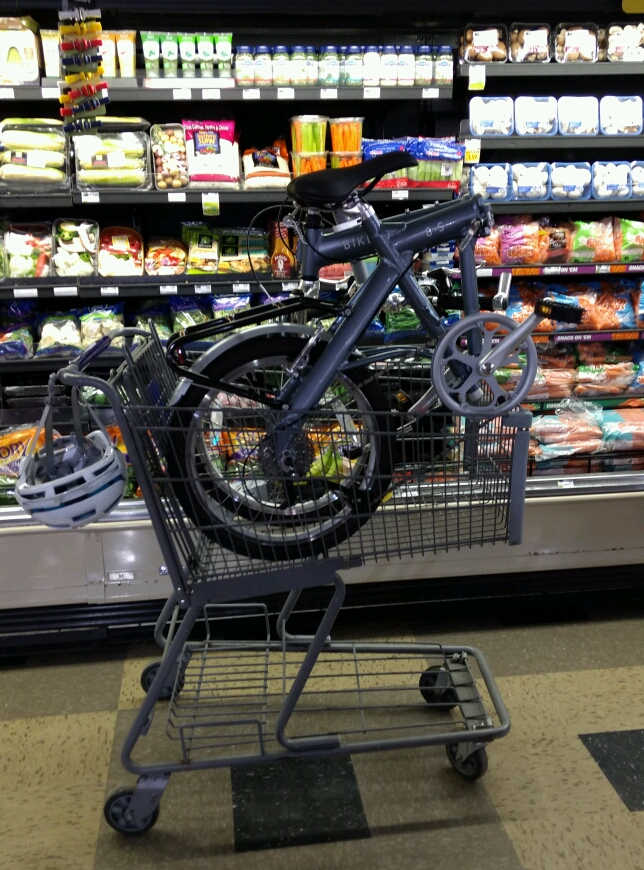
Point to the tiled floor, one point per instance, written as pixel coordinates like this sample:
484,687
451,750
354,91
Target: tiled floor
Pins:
564,790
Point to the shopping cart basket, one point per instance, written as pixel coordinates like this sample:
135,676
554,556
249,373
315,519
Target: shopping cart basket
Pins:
450,484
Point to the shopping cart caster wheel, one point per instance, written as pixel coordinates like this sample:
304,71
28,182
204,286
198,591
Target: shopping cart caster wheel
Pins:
117,816
148,676
472,767
436,687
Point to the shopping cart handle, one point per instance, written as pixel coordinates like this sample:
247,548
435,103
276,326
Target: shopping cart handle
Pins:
561,311
84,359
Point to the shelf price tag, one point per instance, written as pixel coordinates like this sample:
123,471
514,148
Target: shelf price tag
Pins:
181,94
210,204
90,196
109,291
472,150
65,291
287,286
168,289
430,93
176,196
328,93
566,484
241,288
476,79
49,93
371,93
203,288
25,292
7,94
602,268
400,194
285,93
251,94
210,94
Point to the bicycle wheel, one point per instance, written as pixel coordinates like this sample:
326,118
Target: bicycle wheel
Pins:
230,482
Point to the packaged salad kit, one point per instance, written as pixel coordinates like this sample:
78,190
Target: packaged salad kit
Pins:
165,257
213,153
203,248
75,248
28,250
120,252
33,155
112,160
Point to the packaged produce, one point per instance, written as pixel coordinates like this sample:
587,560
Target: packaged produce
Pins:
213,153
51,54
600,353
623,429
225,306
484,43
28,250
263,66
170,53
492,181
570,180
573,426
126,51
19,50
620,116
203,248
554,243
151,53
488,248
604,380
346,134
535,116
629,240
185,312
244,66
556,356
16,342
188,54
33,155
108,53
224,47
159,315
625,42
266,167
530,43
576,43
101,320
15,442
165,257
241,251
308,162
592,242
342,159
523,298
112,160
611,180
637,178
519,242
491,116
376,147
59,335
578,116
440,163
605,308
530,181
308,133
75,247
637,384
120,252
169,157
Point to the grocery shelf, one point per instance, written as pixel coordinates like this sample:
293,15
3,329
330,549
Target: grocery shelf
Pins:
55,199
580,337
553,70
555,269
29,91
570,206
607,402
558,143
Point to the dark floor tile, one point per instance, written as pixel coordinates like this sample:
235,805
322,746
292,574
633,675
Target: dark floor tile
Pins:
620,755
295,802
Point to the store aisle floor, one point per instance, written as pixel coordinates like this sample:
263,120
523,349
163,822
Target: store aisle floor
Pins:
564,790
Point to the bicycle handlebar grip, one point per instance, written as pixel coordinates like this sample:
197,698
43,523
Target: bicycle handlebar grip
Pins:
561,311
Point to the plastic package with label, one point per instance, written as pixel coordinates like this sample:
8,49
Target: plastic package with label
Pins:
488,249
16,342
169,156
637,178
242,251
531,181
592,242
165,257
611,180
120,252
28,250
484,43
203,248
629,240
99,321
19,50
14,443
578,116
224,306
570,181
620,116
530,43
33,155
492,181
535,116
159,314
520,242
185,311
306,162
266,167
491,116
112,160
604,380
59,335
576,43
555,242
75,247
213,153
625,42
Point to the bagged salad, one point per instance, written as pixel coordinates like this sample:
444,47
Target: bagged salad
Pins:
28,250
120,252
33,154
186,312
16,342
165,257
101,320
112,160
156,313
203,248
59,335
75,248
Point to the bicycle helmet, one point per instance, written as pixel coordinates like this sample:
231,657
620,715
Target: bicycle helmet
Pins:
73,480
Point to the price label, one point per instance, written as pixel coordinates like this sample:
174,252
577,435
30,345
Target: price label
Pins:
25,292
400,194
371,94
49,93
65,291
168,289
328,93
476,80
210,94
287,286
90,196
181,94
241,288
602,268
566,484
285,93
472,150
210,204
7,94
430,93
109,291
251,94
176,196
203,288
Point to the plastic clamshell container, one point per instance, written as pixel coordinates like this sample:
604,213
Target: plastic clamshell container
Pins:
75,247
112,160
308,161
578,116
27,249
492,181
484,43
570,181
530,181
535,116
491,116
169,156
35,158
611,179
625,42
637,178
530,43
346,134
620,116
308,133
576,43
340,159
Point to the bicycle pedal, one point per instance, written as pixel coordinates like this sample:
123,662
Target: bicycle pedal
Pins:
561,311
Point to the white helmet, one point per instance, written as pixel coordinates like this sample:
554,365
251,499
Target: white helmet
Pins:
72,480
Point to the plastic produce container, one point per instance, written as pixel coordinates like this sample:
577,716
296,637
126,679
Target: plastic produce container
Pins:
620,116
576,43
346,134
531,181
491,181
308,133
637,178
341,159
484,43
611,180
570,181
126,51
51,53
34,157
308,161
28,250
75,247
625,42
491,116
169,157
535,116
530,43
151,53
112,160
578,116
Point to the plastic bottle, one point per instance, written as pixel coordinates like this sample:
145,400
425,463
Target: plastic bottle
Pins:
424,69
342,58
444,69
389,67
354,66
330,66
312,66
244,66
298,66
406,66
263,66
371,65
281,66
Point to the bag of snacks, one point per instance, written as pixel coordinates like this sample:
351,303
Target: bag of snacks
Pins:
213,153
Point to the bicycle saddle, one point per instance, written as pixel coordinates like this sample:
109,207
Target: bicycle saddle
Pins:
332,187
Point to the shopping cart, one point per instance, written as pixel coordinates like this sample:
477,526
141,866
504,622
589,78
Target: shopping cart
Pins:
452,484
